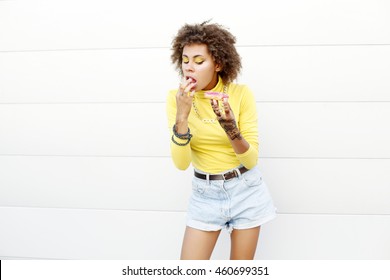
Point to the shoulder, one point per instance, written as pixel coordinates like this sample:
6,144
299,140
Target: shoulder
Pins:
240,88
171,96
172,92
240,91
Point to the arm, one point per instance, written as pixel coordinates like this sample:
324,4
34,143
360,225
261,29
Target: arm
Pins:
243,136
178,109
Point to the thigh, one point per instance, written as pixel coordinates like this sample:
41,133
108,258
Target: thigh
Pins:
198,244
244,243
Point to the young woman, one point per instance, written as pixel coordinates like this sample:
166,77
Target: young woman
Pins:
213,124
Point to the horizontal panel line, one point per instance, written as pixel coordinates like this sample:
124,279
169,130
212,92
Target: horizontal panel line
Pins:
315,45
323,101
328,158
82,102
167,48
184,211
163,102
86,102
146,156
332,214
26,257
82,49
83,156
93,209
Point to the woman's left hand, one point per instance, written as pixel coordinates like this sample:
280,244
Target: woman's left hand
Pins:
226,119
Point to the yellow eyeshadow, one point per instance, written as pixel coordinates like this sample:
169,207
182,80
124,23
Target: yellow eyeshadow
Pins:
198,60
185,59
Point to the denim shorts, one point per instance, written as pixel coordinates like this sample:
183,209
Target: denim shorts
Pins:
239,203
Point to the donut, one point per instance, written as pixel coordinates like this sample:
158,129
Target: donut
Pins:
215,95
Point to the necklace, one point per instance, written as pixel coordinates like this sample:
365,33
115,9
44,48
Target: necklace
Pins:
208,121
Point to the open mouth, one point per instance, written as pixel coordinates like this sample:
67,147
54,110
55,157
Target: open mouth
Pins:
192,80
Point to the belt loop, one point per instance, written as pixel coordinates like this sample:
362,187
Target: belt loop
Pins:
208,178
238,172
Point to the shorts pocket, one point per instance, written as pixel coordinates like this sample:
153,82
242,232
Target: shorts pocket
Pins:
199,186
252,178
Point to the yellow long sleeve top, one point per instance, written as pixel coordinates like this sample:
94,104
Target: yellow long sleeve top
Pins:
209,149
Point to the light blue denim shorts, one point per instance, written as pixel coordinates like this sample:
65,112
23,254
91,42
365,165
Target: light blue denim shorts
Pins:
239,203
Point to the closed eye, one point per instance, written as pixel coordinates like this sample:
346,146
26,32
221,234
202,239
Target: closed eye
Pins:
199,60
185,59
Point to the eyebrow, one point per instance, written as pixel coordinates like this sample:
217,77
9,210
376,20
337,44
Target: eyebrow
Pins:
198,55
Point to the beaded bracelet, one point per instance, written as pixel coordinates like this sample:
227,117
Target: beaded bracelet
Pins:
181,144
187,135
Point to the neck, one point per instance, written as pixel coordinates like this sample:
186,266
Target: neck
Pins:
213,82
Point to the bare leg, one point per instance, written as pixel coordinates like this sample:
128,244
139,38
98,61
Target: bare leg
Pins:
244,243
198,244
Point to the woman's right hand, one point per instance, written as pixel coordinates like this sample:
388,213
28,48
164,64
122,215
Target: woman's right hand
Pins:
184,97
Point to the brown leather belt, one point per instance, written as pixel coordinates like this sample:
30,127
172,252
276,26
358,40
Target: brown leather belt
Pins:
226,176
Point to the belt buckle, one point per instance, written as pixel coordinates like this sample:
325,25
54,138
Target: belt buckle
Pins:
231,173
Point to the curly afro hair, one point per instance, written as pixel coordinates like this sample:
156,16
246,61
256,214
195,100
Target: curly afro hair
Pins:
220,43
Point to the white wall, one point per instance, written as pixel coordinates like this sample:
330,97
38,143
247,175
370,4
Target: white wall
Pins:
85,171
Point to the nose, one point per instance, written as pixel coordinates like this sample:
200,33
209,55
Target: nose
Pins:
188,67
